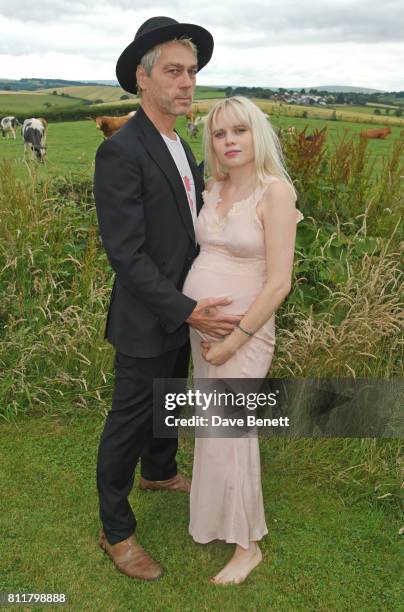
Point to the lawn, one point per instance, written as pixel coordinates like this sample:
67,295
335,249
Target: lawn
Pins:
332,545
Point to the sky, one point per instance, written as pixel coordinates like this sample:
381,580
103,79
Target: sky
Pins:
273,43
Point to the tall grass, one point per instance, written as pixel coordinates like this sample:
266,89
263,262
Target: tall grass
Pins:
344,315
55,285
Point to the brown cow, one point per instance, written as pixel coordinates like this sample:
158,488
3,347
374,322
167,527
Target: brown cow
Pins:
192,114
378,133
109,125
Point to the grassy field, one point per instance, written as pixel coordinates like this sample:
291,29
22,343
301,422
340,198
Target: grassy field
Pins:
333,541
204,97
113,94
93,92
13,104
72,145
345,114
366,110
334,507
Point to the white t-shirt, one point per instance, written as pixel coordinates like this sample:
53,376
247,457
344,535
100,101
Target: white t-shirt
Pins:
177,151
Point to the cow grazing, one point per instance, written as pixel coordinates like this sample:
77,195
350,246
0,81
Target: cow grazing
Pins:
45,127
192,115
378,133
9,124
192,129
109,125
34,132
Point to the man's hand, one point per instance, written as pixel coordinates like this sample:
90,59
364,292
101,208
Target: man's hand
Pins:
208,319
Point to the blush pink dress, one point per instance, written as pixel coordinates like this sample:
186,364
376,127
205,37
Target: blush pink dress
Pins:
226,494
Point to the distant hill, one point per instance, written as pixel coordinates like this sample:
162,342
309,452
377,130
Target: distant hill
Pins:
111,83
346,89
32,84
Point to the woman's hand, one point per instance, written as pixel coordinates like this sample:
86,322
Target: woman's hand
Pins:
217,353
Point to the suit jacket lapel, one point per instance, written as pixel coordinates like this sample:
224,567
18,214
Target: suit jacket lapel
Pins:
158,150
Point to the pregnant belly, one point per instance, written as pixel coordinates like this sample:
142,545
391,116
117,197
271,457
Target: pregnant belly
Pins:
202,282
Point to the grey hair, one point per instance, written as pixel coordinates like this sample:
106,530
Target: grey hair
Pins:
150,58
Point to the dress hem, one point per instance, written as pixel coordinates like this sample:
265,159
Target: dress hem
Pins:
228,540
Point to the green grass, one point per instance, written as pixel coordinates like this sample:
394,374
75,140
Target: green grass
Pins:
207,93
332,544
72,145
367,110
332,506
91,92
13,104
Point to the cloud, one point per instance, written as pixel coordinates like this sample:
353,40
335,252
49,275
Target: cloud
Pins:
257,43
356,65
260,24
256,23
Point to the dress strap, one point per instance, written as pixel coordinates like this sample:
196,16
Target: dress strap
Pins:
260,192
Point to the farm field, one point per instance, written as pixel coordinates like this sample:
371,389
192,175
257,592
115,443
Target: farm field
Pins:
113,94
72,145
12,104
279,109
344,114
367,110
333,504
93,92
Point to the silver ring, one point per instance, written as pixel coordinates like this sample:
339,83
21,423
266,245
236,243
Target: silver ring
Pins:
206,311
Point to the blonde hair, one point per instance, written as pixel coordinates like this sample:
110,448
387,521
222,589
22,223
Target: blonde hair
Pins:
269,160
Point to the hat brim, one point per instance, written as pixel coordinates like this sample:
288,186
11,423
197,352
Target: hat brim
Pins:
131,56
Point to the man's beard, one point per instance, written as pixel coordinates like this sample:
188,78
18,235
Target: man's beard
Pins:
170,107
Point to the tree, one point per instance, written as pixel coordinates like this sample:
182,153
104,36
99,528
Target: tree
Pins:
398,112
376,111
124,97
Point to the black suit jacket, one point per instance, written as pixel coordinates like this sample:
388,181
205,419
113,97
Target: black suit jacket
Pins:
147,232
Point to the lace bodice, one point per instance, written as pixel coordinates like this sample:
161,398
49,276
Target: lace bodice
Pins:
240,233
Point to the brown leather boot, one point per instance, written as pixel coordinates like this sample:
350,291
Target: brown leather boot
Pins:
176,483
130,558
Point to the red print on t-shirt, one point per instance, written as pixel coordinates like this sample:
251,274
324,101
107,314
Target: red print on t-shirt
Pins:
187,183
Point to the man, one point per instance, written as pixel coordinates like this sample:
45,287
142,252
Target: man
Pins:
147,190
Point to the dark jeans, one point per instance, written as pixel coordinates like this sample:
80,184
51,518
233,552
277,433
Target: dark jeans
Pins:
128,436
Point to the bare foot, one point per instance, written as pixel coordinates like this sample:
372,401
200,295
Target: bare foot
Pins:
240,565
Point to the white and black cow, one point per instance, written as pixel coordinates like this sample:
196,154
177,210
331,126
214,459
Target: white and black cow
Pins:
34,134
9,124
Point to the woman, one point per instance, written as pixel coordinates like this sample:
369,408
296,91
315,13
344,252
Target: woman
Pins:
246,231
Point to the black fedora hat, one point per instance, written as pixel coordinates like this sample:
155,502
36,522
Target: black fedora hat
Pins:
152,32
